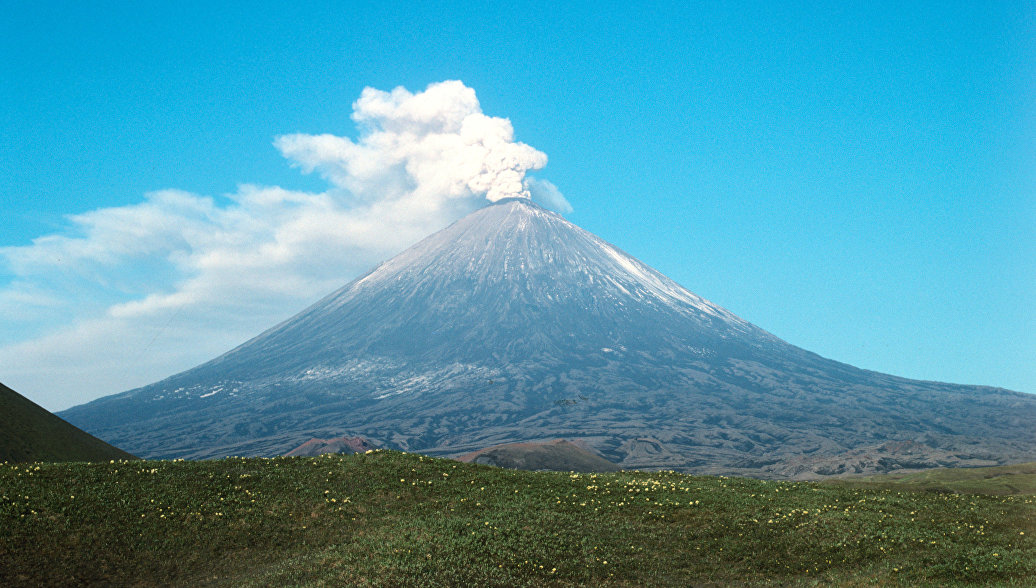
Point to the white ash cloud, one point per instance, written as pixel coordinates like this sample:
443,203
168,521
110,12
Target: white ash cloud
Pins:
131,294
426,147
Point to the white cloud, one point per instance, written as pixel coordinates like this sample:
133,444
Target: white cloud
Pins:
134,293
426,148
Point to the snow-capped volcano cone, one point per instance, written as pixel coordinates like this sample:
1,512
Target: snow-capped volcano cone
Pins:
513,324
509,284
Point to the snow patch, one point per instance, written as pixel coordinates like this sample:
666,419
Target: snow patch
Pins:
662,287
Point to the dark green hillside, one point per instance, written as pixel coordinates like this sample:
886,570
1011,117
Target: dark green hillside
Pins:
390,519
29,433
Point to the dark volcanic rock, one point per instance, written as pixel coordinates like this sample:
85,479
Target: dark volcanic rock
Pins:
514,325
886,458
558,456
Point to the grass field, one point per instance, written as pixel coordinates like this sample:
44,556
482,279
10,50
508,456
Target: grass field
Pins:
388,519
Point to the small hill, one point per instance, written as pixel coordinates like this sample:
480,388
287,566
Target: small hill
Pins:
557,456
345,445
28,432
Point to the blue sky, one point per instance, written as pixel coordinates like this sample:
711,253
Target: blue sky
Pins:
860,181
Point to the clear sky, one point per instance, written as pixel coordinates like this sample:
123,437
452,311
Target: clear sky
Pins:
859,181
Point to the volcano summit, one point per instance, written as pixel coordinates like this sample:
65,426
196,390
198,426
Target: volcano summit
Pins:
515,325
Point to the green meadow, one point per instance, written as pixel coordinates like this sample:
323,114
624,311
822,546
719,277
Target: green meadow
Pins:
392,519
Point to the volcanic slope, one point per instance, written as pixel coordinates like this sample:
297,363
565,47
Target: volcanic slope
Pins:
515,325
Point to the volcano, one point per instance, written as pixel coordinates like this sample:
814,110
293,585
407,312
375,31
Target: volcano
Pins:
514,325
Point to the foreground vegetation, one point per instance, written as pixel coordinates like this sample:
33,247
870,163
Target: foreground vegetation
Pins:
387,518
